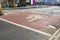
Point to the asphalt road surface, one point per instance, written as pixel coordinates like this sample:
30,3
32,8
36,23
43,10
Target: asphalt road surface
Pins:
13,32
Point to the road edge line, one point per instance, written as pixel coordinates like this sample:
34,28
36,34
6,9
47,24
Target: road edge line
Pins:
38,31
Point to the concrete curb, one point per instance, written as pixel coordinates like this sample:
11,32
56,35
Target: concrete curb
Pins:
27,7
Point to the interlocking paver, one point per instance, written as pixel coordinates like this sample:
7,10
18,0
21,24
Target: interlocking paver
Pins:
42,24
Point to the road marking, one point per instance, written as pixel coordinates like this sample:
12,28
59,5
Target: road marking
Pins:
52,26
54,35
34,17
38,31
57,36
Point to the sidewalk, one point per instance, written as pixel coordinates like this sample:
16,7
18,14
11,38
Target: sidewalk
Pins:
28,7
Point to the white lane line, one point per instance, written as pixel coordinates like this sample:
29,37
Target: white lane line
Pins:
54,35
52,26
57,36
38,31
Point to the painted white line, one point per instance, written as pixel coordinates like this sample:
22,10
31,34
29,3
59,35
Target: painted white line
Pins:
54,35
57,36
5,14
38,31
52,26
8,13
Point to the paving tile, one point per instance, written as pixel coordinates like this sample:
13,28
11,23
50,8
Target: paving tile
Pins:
41,22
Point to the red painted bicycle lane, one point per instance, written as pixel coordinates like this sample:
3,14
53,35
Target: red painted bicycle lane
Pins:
27,19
